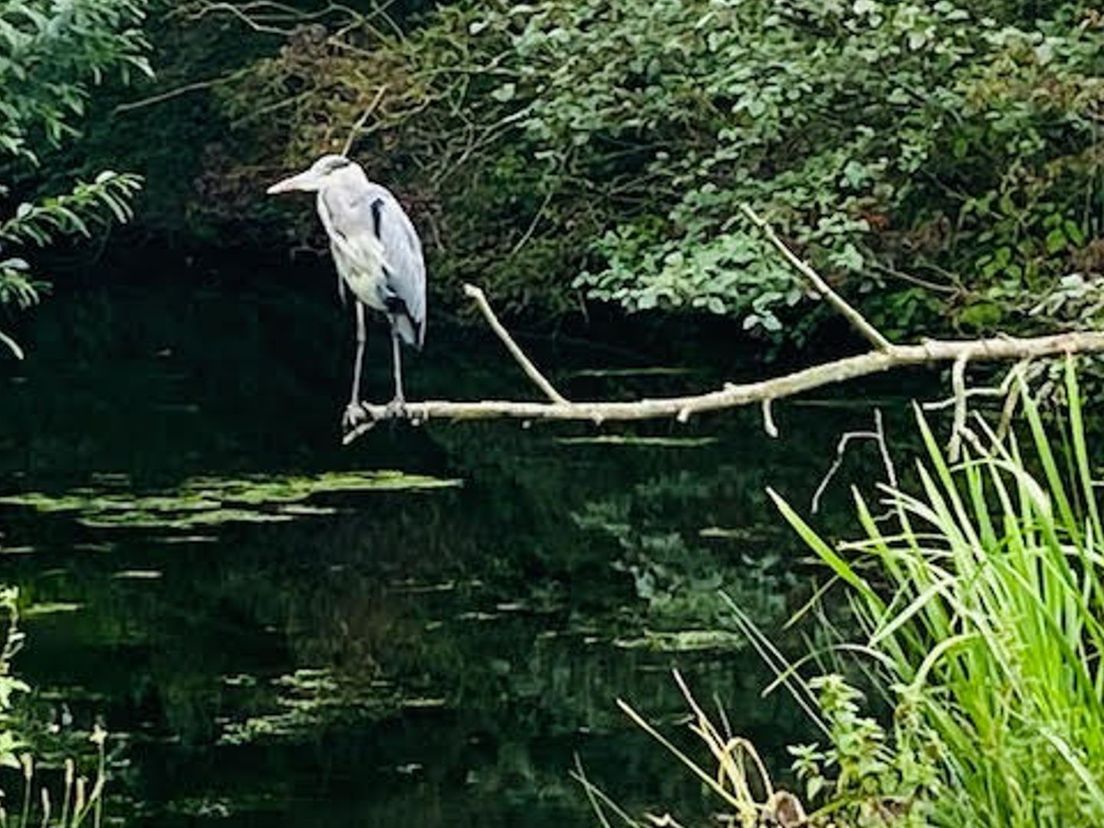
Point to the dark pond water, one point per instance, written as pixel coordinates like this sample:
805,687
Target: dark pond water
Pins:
423,629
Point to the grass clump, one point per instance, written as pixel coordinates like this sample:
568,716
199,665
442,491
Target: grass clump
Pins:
980,603
983,611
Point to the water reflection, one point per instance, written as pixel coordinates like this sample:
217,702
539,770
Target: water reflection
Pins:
286,633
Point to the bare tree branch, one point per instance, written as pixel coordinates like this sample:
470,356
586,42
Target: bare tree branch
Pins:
857,320
885,356
526,365
995,349
878,436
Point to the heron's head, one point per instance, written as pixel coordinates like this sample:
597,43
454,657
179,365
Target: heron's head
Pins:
316,178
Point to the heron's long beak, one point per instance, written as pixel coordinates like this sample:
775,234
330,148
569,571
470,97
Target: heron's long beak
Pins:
305,181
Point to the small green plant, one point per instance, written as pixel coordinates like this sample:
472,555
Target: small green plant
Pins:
10,686
81,798
866,776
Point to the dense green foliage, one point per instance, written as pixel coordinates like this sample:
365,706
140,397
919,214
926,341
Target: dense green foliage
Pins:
939,160
50,55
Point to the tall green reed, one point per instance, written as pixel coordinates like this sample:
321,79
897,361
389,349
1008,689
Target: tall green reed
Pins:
979,598
982,609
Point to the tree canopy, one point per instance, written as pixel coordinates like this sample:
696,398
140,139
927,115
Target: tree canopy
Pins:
939,161
51,54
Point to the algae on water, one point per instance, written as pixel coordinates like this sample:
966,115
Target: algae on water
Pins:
309,701
212,501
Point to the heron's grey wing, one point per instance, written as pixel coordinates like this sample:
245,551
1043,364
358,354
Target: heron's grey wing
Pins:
372,234
404,270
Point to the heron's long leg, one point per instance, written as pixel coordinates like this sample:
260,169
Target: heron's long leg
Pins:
362,337
397,360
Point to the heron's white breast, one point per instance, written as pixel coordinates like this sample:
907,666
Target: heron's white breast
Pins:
357,253
363,276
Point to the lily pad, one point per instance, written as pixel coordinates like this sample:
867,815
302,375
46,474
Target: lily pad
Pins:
310,700
49,608
138,574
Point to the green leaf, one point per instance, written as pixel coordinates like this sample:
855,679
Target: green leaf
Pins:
12,345
1055,240
505,93
1073,232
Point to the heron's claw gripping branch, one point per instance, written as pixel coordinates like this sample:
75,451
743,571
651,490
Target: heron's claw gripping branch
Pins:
396,409
354,414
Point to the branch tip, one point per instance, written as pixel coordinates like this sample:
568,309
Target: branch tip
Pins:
769,425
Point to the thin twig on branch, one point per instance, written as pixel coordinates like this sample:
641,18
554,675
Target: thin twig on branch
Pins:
1018,378
172,93
878,436
885,356
958,424
1008,390
769,425
857,320
526,365
354,131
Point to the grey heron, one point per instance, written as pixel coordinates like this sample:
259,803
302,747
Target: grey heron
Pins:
377,253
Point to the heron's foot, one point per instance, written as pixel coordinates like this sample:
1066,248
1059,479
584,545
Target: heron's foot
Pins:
354,415
396,409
